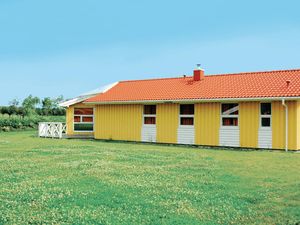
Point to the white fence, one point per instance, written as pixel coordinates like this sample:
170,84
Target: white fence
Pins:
52,129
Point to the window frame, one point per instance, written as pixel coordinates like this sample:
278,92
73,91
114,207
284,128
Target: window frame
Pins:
149,116
81,116
230,116
186,116
261,116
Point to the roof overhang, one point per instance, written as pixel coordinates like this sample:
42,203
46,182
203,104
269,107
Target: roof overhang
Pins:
87,95
196,100
74,101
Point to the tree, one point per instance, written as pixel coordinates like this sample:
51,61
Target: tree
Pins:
57,109
29,105
21,111
12,110
13,107
4,110
51,106
58,100
14,102
47,105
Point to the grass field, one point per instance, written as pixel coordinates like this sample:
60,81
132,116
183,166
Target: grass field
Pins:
49,181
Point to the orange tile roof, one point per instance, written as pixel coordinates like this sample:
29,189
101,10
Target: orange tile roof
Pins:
224,86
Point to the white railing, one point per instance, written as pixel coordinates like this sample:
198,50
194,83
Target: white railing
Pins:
52,129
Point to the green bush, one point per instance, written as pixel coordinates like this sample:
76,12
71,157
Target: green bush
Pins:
14,122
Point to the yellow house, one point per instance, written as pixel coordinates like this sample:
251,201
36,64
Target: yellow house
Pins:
248,110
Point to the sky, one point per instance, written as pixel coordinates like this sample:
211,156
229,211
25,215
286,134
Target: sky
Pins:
68,47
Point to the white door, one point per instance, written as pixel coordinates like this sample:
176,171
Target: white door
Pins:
265,137
186,135
149,133
230,136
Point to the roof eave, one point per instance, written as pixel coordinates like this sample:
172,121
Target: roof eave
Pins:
196,100
86,96
74,101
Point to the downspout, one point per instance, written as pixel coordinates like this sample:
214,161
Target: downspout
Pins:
286,124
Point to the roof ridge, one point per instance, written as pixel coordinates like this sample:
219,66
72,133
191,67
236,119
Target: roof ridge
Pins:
162,78
210,75
255,72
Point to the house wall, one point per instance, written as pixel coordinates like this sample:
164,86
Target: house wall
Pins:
298,125
207,123
124,122
70,119
278,125
118,122
167,121
249,123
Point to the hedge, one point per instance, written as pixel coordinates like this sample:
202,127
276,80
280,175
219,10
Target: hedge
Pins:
9,123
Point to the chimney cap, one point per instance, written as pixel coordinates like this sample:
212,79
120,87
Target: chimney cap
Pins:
198,67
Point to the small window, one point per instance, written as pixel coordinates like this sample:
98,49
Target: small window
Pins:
77,119
230,109
230,114
149,120
265,114
84,119
187,115
265,108
83,111
83,127
87,119
265,122
149,109
149,114
230,121
187,109
186,121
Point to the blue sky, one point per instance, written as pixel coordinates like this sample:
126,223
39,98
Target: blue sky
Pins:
54,47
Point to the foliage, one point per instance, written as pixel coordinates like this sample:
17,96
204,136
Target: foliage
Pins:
47,105
30,107
14,102
15,122
48,181
51,106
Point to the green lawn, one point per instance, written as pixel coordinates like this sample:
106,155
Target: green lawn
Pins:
54,181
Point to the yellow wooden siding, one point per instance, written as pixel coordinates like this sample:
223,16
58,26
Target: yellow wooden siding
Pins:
118,122
298,125
278,125
249,124
207,123
167,119
292,125
70,119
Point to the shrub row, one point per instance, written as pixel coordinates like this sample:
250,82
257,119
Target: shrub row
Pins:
9,123
21,111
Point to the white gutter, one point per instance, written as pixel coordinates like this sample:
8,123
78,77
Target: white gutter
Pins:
196,100
286,124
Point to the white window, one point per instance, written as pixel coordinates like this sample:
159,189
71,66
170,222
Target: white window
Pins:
186,117
265,114
83,119
230,115
149,116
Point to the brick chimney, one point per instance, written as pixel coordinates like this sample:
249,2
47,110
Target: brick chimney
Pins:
198,73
